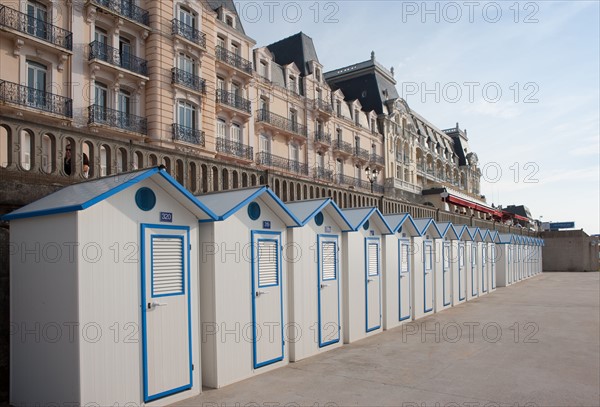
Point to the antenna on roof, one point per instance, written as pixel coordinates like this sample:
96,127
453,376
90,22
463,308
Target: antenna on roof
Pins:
373,56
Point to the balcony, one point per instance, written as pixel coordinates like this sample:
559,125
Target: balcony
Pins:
358,183
361,153
342,147
281,123
36,99
235,149
113,118
270,160
115,57
188,32
324,174
233,60
188,134
233,100
124,8
190,81
40,29
407,186
376,159
323,106
322,137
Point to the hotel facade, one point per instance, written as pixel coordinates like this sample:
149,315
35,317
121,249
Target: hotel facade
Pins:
125,86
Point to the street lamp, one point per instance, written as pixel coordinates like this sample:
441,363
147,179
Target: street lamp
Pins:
372,174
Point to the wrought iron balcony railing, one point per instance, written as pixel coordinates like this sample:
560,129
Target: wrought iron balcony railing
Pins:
324,174
36,99
322,137
323,105
188,32
281,122
344,146
270,160
234,148
234,60
27,24
358,183
233,100
376,159
361,153
115,118
125,8
188,134
188,80
114,56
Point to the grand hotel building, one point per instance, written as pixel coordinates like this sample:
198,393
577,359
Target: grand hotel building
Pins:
127,85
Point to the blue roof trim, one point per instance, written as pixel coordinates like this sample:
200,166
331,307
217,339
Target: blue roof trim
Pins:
403,221
369,214
429,222
85,205
252,197
449,227
331,202
186,193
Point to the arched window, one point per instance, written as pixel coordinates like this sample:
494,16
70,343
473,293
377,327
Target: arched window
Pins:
225,179
235,180
122,160
244,180
204,170
153,160
5,146
26,145
88,151
48,153
179,171
138,160
193,177
215,179
105,160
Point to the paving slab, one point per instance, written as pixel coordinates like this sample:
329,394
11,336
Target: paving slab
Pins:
536,343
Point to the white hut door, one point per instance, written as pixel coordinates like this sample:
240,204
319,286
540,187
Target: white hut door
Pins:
484,276
462,275
165,311
328,291
474,290
509,262
267,303
493,265
446,280
373,280
427,276
404,281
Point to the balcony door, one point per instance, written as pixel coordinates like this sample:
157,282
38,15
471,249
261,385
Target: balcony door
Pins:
100,101
36,82
125,53
101,39
187,17
186,115
37,17
124,109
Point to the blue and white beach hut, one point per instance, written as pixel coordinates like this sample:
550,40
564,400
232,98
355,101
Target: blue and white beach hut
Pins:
399,272
473,248
362,273
462,267
315,292
243,284
504,260
111,266
447,247
425,268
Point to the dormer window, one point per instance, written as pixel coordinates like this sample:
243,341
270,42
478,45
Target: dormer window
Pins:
318,75
292,85
264,69
356,117
338,107
229,21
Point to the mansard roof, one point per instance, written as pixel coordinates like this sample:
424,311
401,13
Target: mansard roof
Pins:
299,49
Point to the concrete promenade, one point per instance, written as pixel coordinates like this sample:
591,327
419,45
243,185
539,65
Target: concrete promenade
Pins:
536,343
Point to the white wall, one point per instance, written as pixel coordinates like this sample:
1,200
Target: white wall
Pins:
44,344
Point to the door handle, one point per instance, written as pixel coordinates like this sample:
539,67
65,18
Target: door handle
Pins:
323,285
152,305
369,280
259,293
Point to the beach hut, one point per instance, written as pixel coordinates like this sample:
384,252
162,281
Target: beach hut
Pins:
314,289
519,258
461,266
492,258
108,270
398,273
484,262
504,260
425,267
447,265
361,273
473,248
243,284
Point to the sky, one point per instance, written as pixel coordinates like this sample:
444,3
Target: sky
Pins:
522,77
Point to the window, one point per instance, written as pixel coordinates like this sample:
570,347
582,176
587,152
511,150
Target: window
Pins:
229,21
236,133
101,38
320,161
236,90
357,172
187,17
398,172
37,16
36,81
373,149
264,105
294,119
26,142
221,129
100,101
265,144
221,42
186,64
319,95
339,167
186,115
294,152
356,117
124,103
264,69
373,127
319,127
220,84
292,85
338,133
338,108
235,48
125,52
318,75
357,142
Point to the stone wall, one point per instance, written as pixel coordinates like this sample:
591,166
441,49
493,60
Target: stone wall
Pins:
570,250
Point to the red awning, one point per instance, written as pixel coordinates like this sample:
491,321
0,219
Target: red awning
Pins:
519,217
473,205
